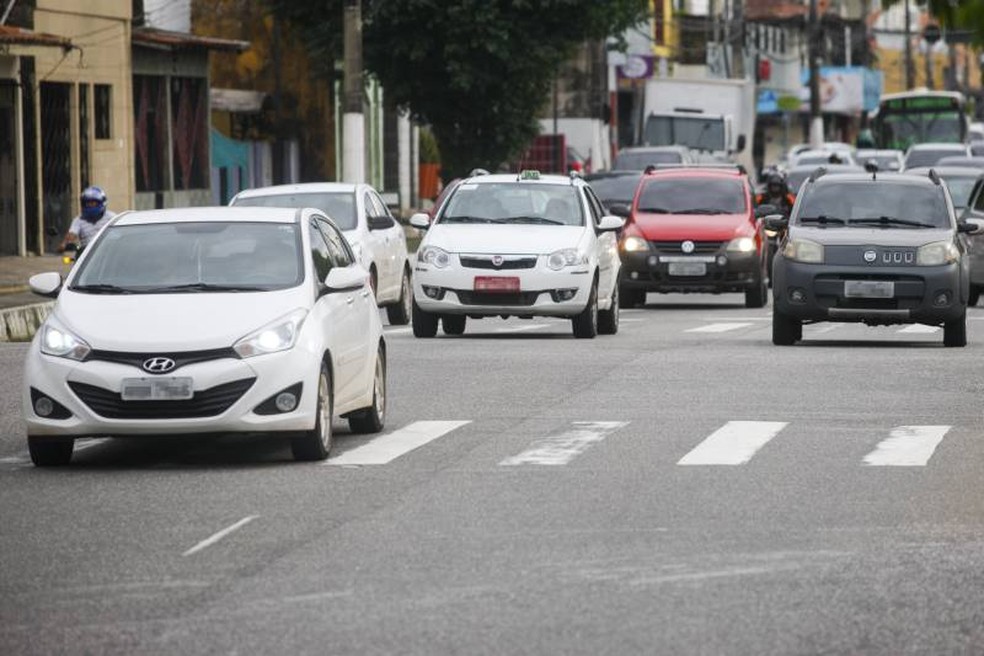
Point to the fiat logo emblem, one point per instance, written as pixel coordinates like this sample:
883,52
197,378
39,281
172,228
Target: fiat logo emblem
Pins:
159,365
497,260
870,256
687,247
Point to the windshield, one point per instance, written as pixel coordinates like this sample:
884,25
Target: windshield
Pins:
204,256
902,130
638,161
960,188
694,132
339,206
615,188
867,203
514,202
692,196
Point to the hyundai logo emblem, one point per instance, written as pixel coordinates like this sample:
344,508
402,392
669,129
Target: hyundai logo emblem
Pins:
870,256
159,365
497,260
687,247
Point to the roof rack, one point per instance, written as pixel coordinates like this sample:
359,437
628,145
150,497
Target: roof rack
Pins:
817,174
935,177
573,175
696,165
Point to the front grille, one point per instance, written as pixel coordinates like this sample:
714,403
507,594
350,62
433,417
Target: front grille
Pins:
181,358
520,299
472,262
205,403
699,246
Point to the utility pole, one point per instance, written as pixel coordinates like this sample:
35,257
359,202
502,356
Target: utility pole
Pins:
816,119
353,120
909,71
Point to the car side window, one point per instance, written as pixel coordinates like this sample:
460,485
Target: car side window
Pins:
371,208
320,253
381,209
339,248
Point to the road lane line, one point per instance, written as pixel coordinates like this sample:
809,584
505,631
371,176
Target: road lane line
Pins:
520,329
391,446
397,331
908,446
733,444
208,542
718,328
919,329
561,449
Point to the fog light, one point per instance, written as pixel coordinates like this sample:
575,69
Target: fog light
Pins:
560,295
941,299
722,261
797,295
433,292
44,406
286,402
652,260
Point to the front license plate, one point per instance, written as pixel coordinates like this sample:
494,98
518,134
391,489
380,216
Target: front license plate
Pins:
869,289
498,284
687,268
157,389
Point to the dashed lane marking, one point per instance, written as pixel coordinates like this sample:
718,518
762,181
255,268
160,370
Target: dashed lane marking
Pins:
718,327
561,449
733,444
391,446
908,446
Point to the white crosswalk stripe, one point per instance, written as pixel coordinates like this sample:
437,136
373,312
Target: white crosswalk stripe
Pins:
561,449
391,446
908,446
733,444
919,329
718,327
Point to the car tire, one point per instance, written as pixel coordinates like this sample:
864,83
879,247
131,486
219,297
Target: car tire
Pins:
315,444
955,332
399,313
50,452
453,324
372,419
585,324
974,296
424,323
786,330
608,319
630,298
758,295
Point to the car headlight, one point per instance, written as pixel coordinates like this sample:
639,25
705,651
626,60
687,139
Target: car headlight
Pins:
60,342
803,250
741,245
564,258
435,256
633,244
937,253
279,335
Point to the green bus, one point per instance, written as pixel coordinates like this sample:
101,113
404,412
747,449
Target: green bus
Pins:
913,117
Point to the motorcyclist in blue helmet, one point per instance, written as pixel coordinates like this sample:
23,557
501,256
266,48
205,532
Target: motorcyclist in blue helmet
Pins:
93,218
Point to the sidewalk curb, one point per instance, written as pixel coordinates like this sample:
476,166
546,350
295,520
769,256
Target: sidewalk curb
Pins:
19,324
14,289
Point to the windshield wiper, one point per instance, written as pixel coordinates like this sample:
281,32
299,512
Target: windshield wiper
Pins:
101,288
891,220
822,219
468,219
532,219
701,210
205,287
655,210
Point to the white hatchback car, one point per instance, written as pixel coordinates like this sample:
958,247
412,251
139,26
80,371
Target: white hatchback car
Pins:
206,321
378,240
518,245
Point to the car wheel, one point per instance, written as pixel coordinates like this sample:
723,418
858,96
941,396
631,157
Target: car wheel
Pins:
424,323
630,298
49,451
399,313
786,330
315,444
371,419
453,324
585,324
608,319
757,295
975,295
955,332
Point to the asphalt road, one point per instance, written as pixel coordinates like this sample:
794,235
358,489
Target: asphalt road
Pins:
683,487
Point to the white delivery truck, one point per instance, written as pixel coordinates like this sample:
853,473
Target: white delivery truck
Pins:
710,115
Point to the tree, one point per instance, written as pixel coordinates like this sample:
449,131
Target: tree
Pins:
477,71
953,14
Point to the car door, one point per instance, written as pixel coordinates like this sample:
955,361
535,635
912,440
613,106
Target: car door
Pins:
396,247
379,242
605,245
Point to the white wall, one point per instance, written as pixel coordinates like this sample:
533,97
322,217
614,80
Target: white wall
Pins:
589,136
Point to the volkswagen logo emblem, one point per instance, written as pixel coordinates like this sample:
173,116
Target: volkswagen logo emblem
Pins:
870,256
687,247
159,365
497,260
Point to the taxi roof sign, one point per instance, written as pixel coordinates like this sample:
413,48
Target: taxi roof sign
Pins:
529,174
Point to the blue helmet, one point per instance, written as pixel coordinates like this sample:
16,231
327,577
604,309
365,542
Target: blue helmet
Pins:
93,203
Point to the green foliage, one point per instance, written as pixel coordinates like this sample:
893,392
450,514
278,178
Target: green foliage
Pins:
954,14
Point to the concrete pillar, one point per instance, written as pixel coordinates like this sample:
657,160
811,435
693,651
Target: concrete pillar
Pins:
403,140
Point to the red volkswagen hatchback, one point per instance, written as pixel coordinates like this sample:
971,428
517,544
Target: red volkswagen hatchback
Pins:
693,229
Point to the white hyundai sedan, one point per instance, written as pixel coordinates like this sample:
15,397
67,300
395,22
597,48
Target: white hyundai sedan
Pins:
207,321
518,245
379,242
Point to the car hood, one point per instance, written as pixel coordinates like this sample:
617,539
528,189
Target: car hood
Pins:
843,236
173,322
504,239
709,227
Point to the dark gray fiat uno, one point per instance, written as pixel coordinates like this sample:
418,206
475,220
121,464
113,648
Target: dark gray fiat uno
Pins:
875,249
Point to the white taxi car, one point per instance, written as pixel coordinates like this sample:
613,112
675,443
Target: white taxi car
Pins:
206,321
378,240
518,245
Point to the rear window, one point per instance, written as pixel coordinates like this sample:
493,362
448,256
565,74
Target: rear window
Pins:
616,189
639,161
960,188
928,157
339,206
693,196
863,202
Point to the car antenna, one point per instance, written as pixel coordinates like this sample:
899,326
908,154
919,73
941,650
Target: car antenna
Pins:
871,166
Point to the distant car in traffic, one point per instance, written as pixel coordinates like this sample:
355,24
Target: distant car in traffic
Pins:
614,187
959,180
637,158
378,240
518,245
823,157
887,159
797,175
928,154
974,209
960,160
201,321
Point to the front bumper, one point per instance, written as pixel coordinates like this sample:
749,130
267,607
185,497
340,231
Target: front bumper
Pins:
653,271
816,292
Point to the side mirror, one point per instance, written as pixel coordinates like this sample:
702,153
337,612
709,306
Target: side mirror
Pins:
380,222
46,284
609,223
345,279
741,143
971,226
420,220
765,210
776,222
620,209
